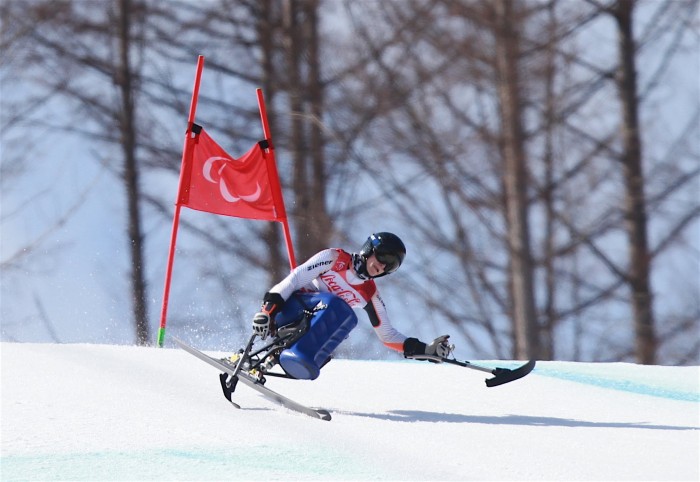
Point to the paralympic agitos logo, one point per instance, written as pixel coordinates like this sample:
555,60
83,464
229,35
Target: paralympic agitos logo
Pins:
214,171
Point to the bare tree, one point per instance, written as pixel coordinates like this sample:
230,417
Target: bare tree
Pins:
437,121
635,200
65,44
126,124
484,130
304,89
506,32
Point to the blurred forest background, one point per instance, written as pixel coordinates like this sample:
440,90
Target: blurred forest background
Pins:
540,159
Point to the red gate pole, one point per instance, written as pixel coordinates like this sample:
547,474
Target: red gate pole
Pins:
184,166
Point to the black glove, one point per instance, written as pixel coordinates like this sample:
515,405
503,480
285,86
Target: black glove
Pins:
413,346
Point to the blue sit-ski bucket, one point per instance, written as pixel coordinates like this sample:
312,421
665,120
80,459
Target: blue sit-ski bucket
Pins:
328,327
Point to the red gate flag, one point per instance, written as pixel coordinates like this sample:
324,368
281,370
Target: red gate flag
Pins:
215,182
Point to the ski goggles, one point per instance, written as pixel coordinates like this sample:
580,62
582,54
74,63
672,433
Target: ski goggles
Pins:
391,261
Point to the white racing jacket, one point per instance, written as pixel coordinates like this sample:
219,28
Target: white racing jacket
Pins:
332,271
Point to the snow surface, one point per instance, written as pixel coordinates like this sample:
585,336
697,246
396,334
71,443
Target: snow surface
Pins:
102,412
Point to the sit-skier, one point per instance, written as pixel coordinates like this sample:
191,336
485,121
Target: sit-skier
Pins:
350,276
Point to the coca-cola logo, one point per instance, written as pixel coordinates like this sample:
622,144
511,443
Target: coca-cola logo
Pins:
349,296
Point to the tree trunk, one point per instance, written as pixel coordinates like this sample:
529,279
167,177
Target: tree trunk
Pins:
297,140
320,224
635,204
131,175
549,322
515,182
267,24
306,101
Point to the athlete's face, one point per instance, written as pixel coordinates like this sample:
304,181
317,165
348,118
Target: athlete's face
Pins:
374,266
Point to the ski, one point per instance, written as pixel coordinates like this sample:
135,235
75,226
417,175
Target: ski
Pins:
228,383
500,375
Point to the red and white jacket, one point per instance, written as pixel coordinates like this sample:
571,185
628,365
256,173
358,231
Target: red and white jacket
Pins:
332,271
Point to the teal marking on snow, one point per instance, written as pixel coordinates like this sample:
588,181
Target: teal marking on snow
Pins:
638,379
652,380
189,464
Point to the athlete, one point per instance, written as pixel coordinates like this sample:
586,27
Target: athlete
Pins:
350,276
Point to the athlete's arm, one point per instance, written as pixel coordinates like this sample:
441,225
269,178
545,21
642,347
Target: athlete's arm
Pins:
304,274
376,311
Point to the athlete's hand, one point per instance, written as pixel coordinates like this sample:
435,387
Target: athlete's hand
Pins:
261,324
440,347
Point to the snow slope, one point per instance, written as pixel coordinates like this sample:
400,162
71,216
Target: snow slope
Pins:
100,412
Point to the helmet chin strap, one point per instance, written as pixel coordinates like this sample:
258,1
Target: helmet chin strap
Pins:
359,263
